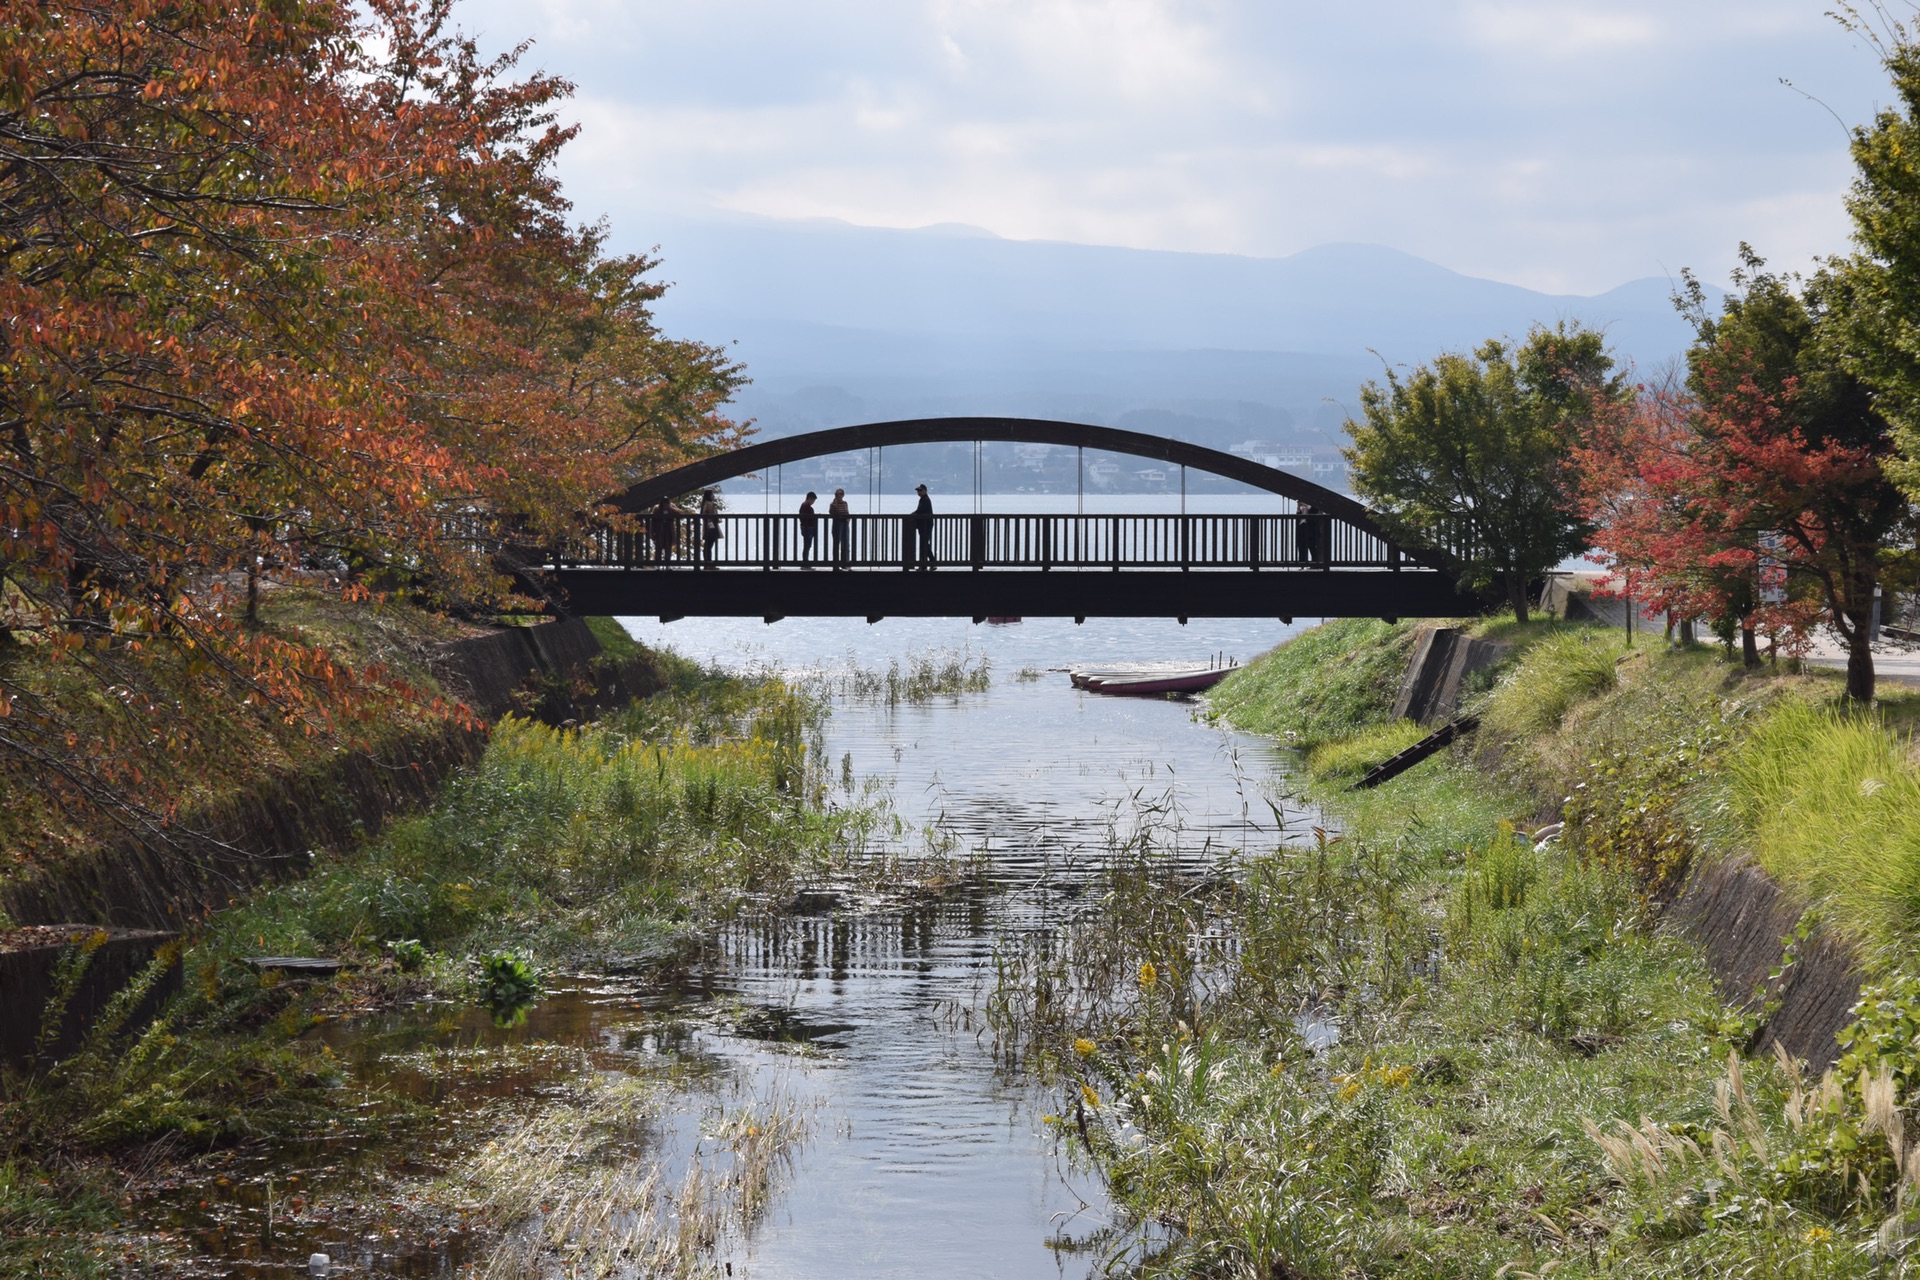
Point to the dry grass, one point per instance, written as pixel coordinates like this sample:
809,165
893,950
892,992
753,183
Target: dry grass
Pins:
581,1188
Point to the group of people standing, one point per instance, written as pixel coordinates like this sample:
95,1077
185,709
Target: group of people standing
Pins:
839,525
840,528
663,528
664,523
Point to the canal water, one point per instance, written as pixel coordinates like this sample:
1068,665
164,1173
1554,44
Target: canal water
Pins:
925,1160
863,1018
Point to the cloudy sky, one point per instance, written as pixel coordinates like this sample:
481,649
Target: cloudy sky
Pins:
1563,145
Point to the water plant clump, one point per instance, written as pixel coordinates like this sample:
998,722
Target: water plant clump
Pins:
922,677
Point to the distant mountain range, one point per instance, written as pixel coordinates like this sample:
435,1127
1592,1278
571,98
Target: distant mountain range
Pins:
841,324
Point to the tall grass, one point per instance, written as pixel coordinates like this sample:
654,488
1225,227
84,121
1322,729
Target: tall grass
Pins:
1828,801
578,844
578,1187
924,677
1325,683
1479,1014
1555,675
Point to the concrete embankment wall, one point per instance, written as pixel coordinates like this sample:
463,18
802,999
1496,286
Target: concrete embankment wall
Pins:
1742,919
1443,658
272,833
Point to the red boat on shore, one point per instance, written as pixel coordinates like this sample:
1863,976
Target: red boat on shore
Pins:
1146,679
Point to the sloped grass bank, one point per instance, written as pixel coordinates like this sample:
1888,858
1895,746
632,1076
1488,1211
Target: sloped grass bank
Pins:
1530,1077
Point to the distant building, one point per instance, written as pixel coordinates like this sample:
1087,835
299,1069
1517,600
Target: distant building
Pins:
1281,457
842,471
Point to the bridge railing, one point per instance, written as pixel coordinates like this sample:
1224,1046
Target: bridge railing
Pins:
1043,542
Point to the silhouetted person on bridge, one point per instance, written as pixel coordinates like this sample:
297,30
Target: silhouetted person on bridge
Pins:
663,527
920,532
809,530
710,531
839,524
1306,533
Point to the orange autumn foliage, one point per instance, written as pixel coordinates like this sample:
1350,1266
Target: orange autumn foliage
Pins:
288,291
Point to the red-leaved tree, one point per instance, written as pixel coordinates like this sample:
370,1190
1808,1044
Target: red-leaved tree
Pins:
1774,453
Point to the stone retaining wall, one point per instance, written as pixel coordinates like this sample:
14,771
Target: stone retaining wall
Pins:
28,979
1443,658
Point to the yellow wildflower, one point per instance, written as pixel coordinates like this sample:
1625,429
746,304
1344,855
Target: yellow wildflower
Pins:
1148,975
1816,1235
1084,1047
1088,1096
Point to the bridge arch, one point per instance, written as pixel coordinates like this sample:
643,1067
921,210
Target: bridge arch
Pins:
911,431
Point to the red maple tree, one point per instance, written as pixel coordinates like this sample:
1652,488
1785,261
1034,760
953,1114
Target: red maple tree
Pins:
1692,498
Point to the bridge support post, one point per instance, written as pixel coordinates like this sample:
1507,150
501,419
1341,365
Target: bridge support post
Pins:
977,542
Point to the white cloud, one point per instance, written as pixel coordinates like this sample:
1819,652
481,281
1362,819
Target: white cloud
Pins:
1562,143
1561,30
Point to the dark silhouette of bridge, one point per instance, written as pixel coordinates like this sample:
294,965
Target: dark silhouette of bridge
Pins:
1318,554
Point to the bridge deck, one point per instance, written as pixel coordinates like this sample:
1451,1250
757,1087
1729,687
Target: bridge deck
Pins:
1288,565
1004,541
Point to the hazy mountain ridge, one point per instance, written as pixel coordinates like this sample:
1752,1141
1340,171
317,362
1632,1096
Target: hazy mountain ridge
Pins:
839,324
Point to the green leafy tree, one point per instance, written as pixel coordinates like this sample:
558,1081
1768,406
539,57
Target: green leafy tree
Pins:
1874,294
1473,453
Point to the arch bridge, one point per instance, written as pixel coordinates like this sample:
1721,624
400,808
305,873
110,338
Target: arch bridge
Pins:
1318,553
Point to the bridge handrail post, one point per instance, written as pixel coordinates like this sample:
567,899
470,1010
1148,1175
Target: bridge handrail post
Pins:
977,542
1115,548
1253,543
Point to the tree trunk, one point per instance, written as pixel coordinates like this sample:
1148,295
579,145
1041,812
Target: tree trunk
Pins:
1860,661
1517,596
1687,637
1749,647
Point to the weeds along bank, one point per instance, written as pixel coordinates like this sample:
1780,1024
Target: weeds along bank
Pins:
1435,1045
562,849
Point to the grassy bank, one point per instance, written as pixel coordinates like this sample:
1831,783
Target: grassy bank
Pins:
1529,1076
602,846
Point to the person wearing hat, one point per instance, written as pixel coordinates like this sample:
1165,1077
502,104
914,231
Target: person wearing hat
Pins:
920,532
